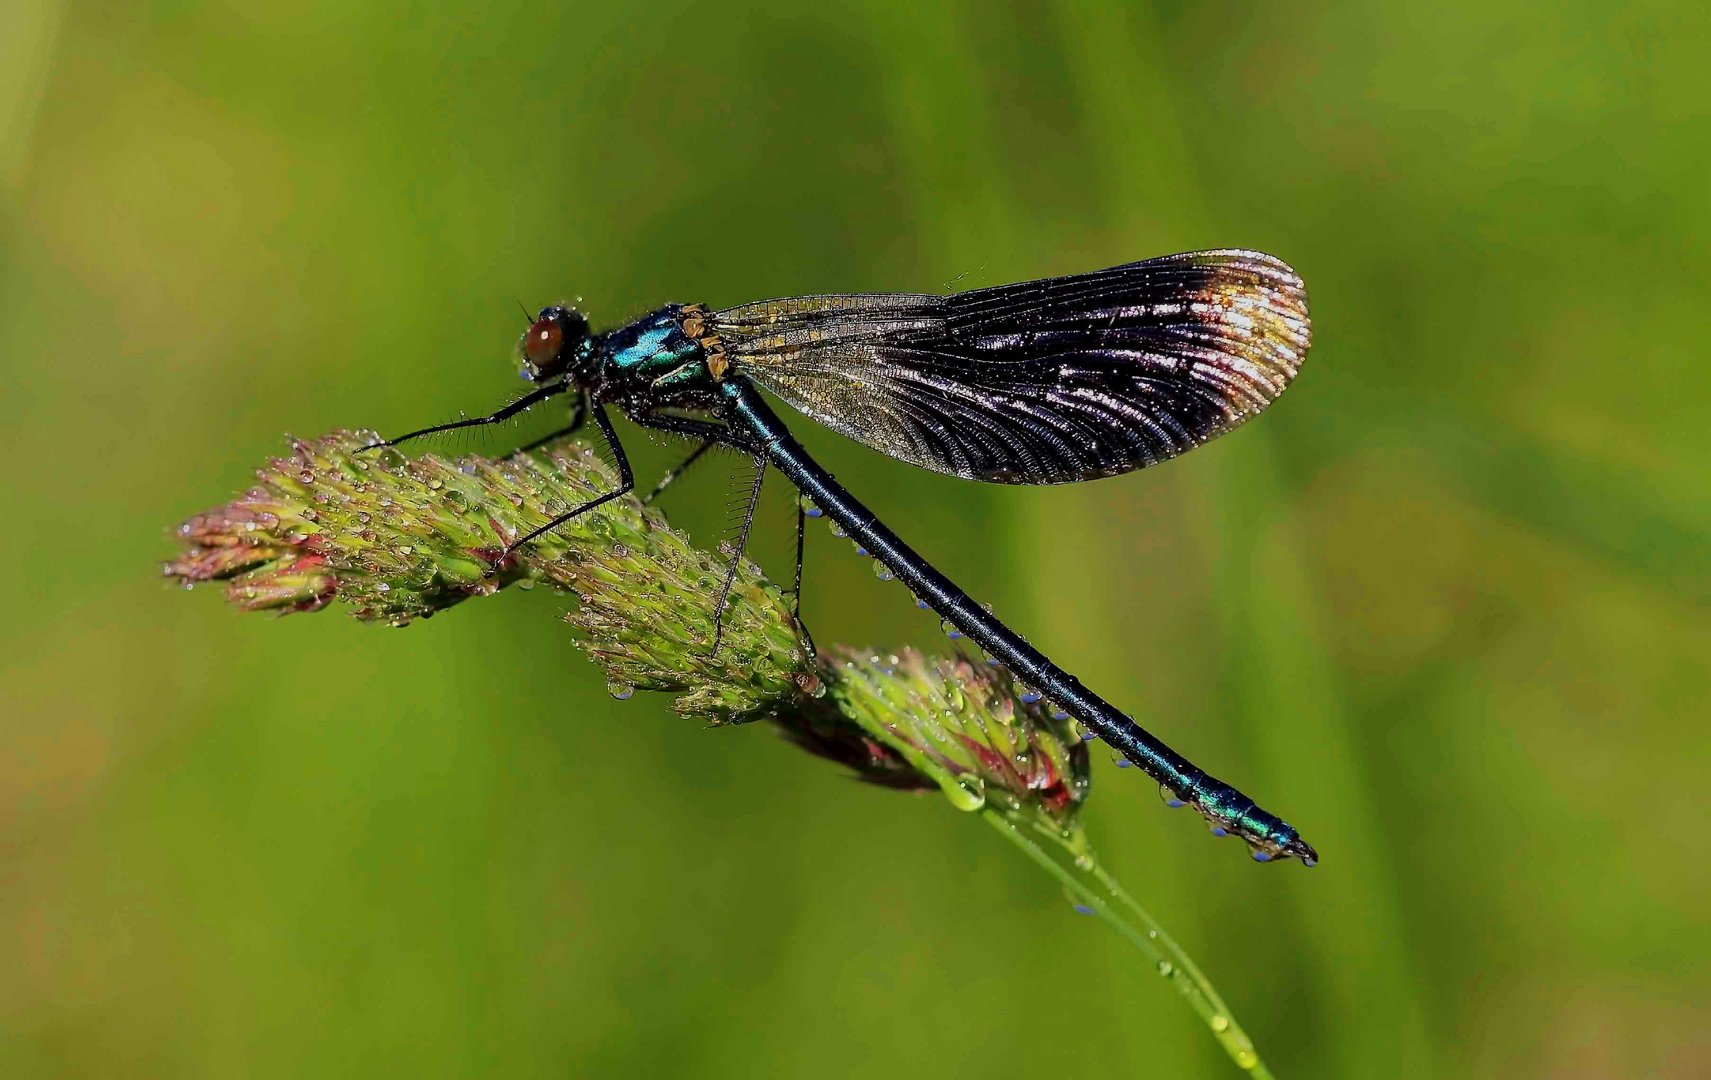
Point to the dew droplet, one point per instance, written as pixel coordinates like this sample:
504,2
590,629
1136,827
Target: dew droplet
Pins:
966,793
1220,1022
1261,855
881,572
1165,968
1083,909
619,690
950,629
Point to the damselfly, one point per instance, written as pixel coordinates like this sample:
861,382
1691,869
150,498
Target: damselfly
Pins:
1043,382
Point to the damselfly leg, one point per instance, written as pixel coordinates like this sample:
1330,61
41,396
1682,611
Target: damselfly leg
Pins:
748,519
682,467
711,432
578,414
796,589
626,483
737,554
532,398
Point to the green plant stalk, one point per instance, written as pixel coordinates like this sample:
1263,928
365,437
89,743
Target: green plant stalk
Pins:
397,539
1073,863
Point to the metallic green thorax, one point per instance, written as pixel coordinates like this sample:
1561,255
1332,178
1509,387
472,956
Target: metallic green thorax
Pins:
655,352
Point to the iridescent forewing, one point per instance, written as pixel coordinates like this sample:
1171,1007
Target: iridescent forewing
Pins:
1042,382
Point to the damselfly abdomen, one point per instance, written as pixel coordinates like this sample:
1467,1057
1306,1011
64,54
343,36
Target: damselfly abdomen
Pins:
1043,382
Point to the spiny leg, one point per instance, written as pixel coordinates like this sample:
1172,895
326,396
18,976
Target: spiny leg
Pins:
724,434
716,434
737,555
683,467
578,414
796,590
533,397
709,430
727,435
626,483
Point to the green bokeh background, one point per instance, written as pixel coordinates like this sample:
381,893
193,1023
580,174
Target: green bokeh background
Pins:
1447,607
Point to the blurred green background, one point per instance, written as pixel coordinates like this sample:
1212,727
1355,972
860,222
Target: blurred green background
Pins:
1447,607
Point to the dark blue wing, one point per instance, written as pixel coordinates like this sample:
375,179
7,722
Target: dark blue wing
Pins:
1042,382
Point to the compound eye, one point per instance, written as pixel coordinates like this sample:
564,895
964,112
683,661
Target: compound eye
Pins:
543,347
543,344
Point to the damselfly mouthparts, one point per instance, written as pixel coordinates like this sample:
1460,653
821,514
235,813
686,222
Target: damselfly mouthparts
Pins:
1043,382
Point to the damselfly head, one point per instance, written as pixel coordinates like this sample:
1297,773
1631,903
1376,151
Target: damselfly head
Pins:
552,342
